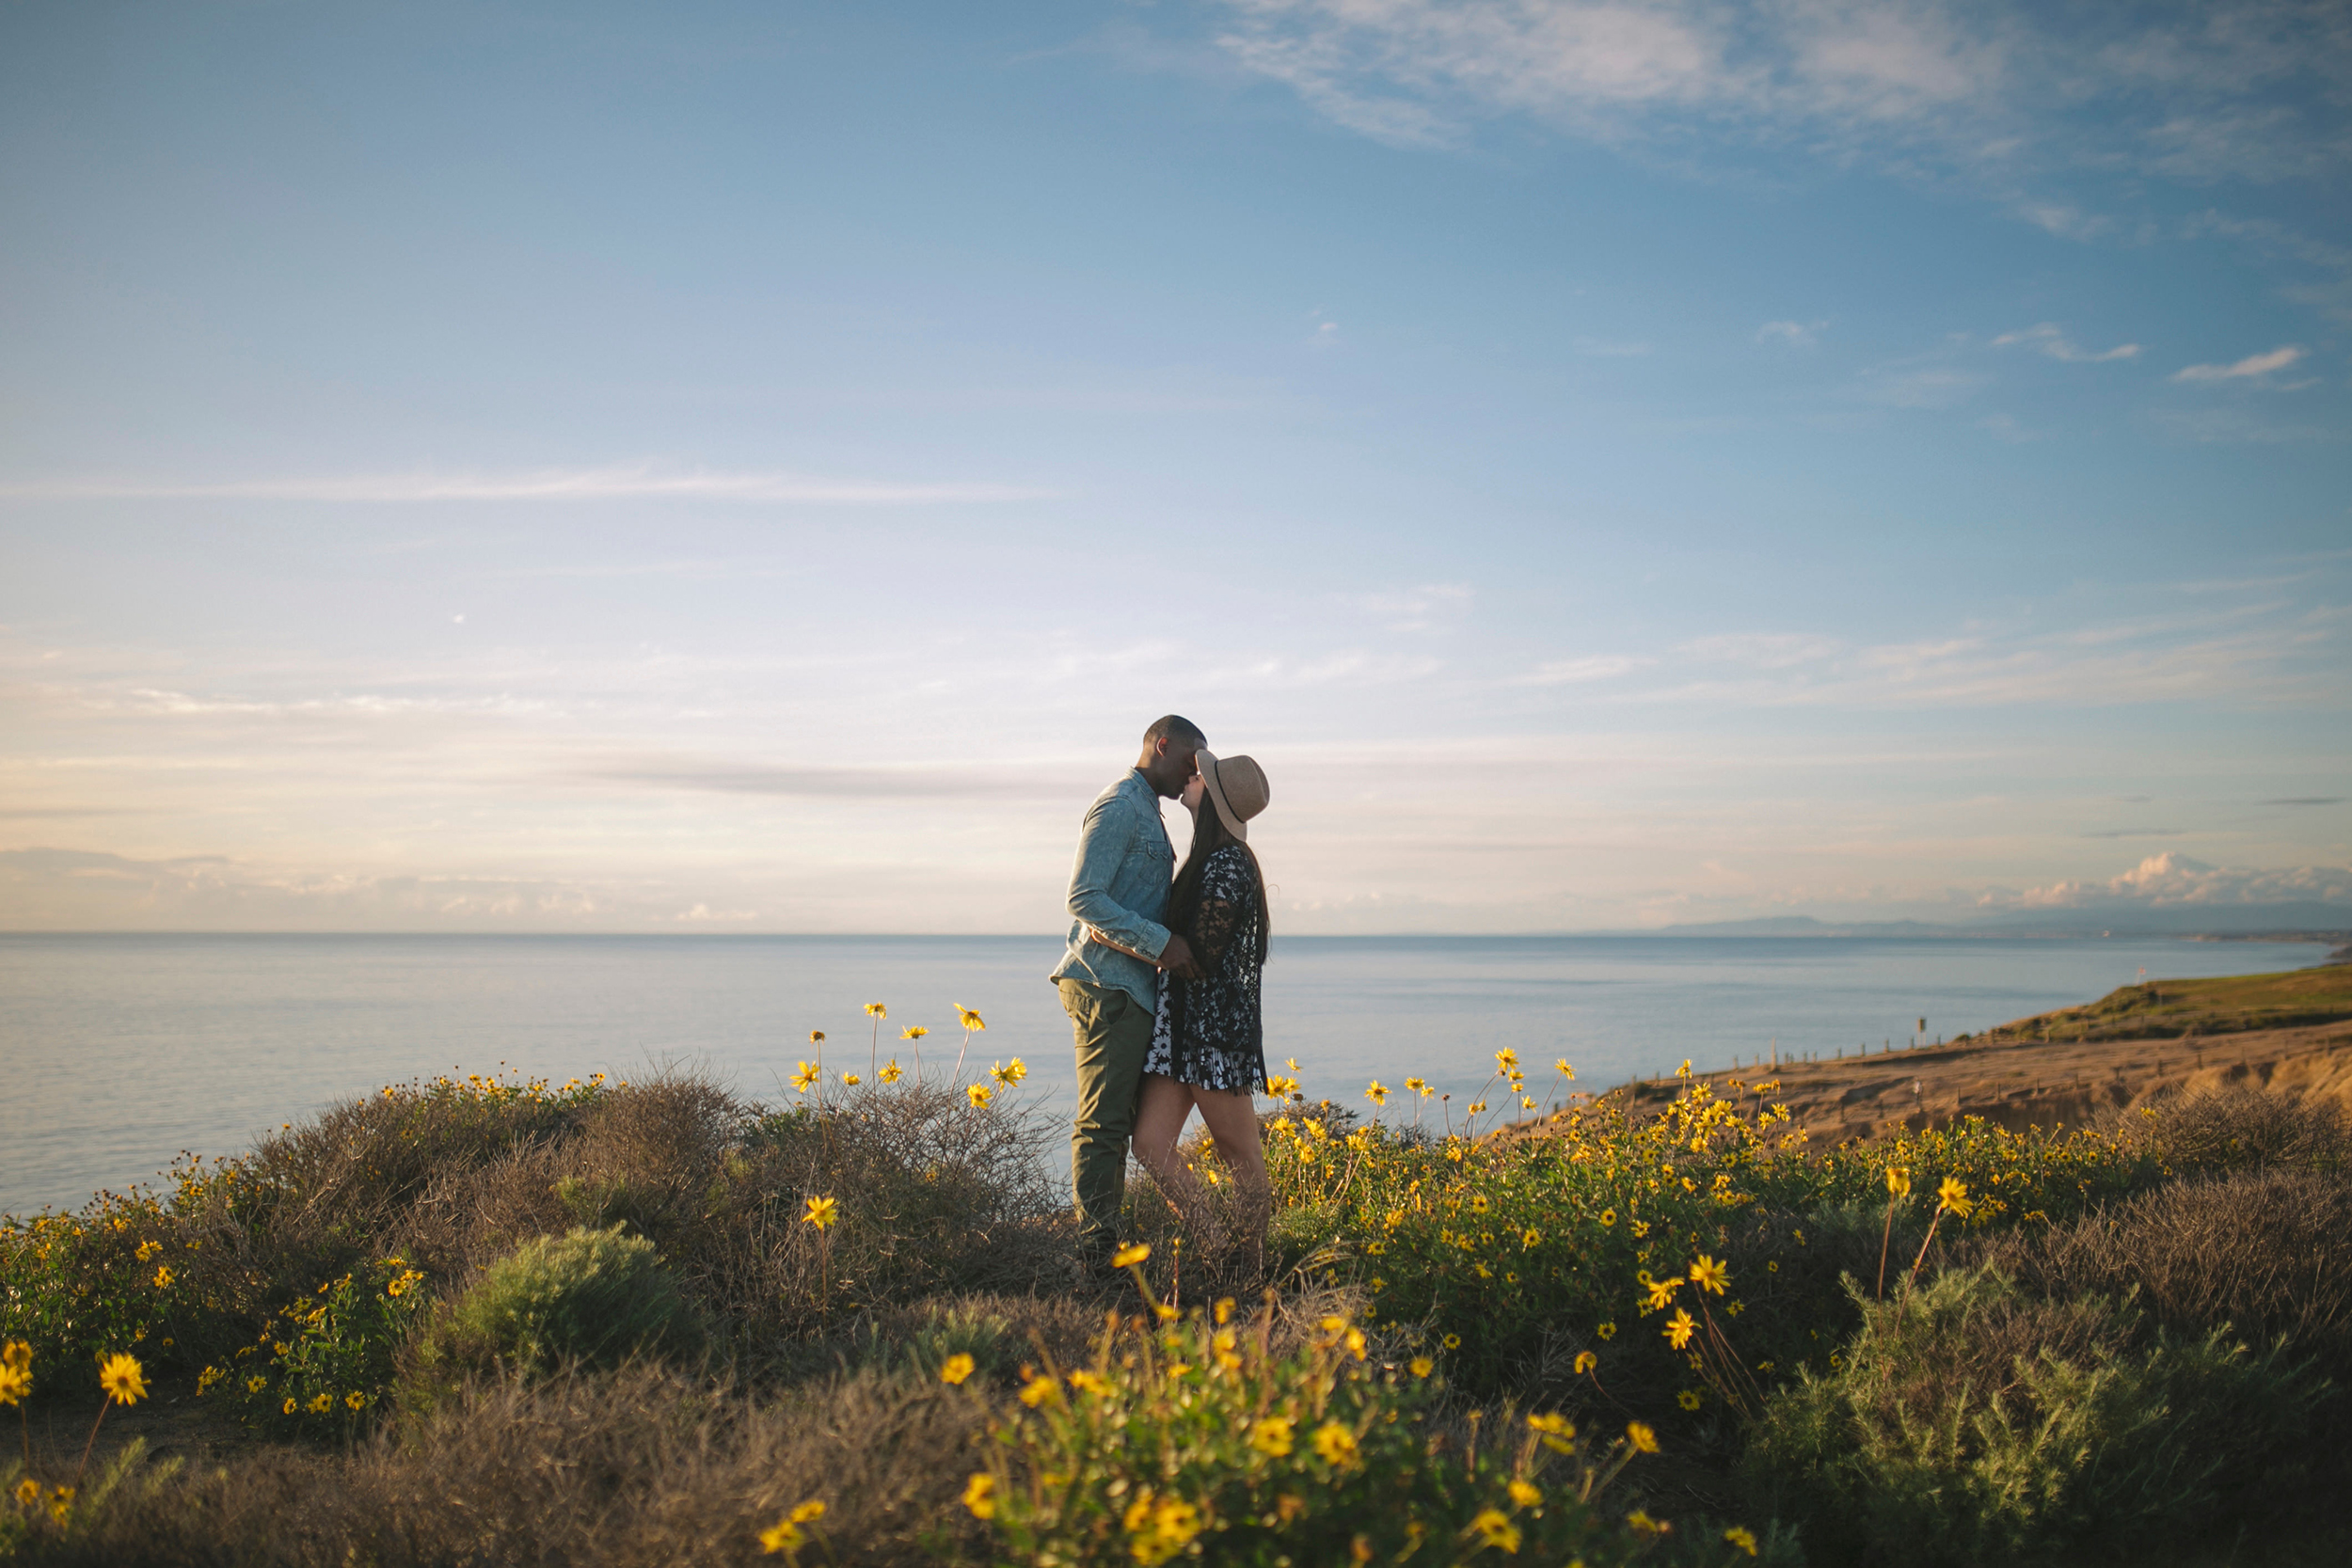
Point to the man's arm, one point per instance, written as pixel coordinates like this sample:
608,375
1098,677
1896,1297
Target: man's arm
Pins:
1103,843
1176,957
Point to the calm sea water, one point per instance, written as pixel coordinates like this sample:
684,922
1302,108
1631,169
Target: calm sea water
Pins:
119,1050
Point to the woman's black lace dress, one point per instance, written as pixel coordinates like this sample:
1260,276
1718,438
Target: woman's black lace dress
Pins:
1208,1033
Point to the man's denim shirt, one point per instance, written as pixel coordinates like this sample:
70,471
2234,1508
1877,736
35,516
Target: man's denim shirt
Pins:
1119,885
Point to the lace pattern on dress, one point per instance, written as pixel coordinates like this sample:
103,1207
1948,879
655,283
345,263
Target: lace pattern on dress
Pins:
1208,1033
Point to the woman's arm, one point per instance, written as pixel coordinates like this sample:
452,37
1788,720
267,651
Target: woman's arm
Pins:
1226,896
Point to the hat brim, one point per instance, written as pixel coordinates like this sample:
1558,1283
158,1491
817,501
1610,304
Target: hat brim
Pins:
1206,760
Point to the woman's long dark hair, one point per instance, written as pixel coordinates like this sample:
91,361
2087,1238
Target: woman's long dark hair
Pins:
1209,835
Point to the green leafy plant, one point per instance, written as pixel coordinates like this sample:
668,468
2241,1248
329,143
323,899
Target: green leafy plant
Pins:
591,1298
1975,1423
1201,1438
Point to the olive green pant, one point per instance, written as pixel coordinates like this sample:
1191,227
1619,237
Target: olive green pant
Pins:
1113,1032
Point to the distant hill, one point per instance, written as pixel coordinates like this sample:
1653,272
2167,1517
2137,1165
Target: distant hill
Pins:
2333,920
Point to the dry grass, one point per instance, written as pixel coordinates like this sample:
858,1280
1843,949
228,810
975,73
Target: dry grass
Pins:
640,1469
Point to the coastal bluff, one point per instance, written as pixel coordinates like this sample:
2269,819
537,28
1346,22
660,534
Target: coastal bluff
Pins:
2290,1032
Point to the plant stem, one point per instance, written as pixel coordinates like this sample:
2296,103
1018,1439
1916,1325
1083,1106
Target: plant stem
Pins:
1914,1277
1886,1238
103,1406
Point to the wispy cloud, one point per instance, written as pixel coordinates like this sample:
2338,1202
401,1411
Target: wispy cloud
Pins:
1794,334
541,484
1593,667
2052,342
2252,365
718,776
2241,88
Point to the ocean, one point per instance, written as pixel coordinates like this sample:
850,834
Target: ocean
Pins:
118,1052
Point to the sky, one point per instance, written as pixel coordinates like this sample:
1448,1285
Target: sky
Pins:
760,467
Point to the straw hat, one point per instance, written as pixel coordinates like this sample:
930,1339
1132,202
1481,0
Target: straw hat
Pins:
1238,788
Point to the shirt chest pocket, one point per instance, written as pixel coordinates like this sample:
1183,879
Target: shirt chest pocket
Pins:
1151,849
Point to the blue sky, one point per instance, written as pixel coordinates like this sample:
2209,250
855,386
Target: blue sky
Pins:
756,466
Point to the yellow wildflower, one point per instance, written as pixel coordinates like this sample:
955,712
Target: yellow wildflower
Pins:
1041,1390
1586,1362
804,1076
782,1536
17,1353
356,1399
28,1492
1642,1437
1606,1331
979,1492
1271,1436
890,1073
1679,1328
913,1032
1608,1216
969,1019
14,1385
977,1093
1130,1254
1420,1366
1688,1399
1524,1492
850,1080
1953,1195
1898,1181
1494,1527
1335,1445
122,1380
822,1212
956,1367
1377,1092
1742,1536
1709,1275
875,1009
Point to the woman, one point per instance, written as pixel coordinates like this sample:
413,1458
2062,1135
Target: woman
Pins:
1207,1040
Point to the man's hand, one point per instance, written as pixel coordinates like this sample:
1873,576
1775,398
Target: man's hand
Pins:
1177,958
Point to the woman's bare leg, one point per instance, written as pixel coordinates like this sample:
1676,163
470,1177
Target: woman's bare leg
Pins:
1160,1118
1232,1121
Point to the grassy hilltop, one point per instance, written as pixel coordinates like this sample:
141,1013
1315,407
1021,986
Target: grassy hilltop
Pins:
485,1321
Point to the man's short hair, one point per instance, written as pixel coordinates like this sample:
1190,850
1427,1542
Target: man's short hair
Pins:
1174,727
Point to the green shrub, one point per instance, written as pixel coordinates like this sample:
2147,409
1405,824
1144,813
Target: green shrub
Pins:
1975,1423
1203,1439
326,1359
587,1298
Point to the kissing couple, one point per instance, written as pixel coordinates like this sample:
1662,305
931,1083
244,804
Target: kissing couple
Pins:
1161,985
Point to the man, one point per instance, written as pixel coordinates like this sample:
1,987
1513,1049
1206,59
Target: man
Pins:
1118,891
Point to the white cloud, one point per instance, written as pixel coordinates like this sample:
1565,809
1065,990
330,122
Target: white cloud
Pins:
2172,880
1594,667
543,484
2236,89
2050,340
1795,334
1762,650
1924,387
2252,365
